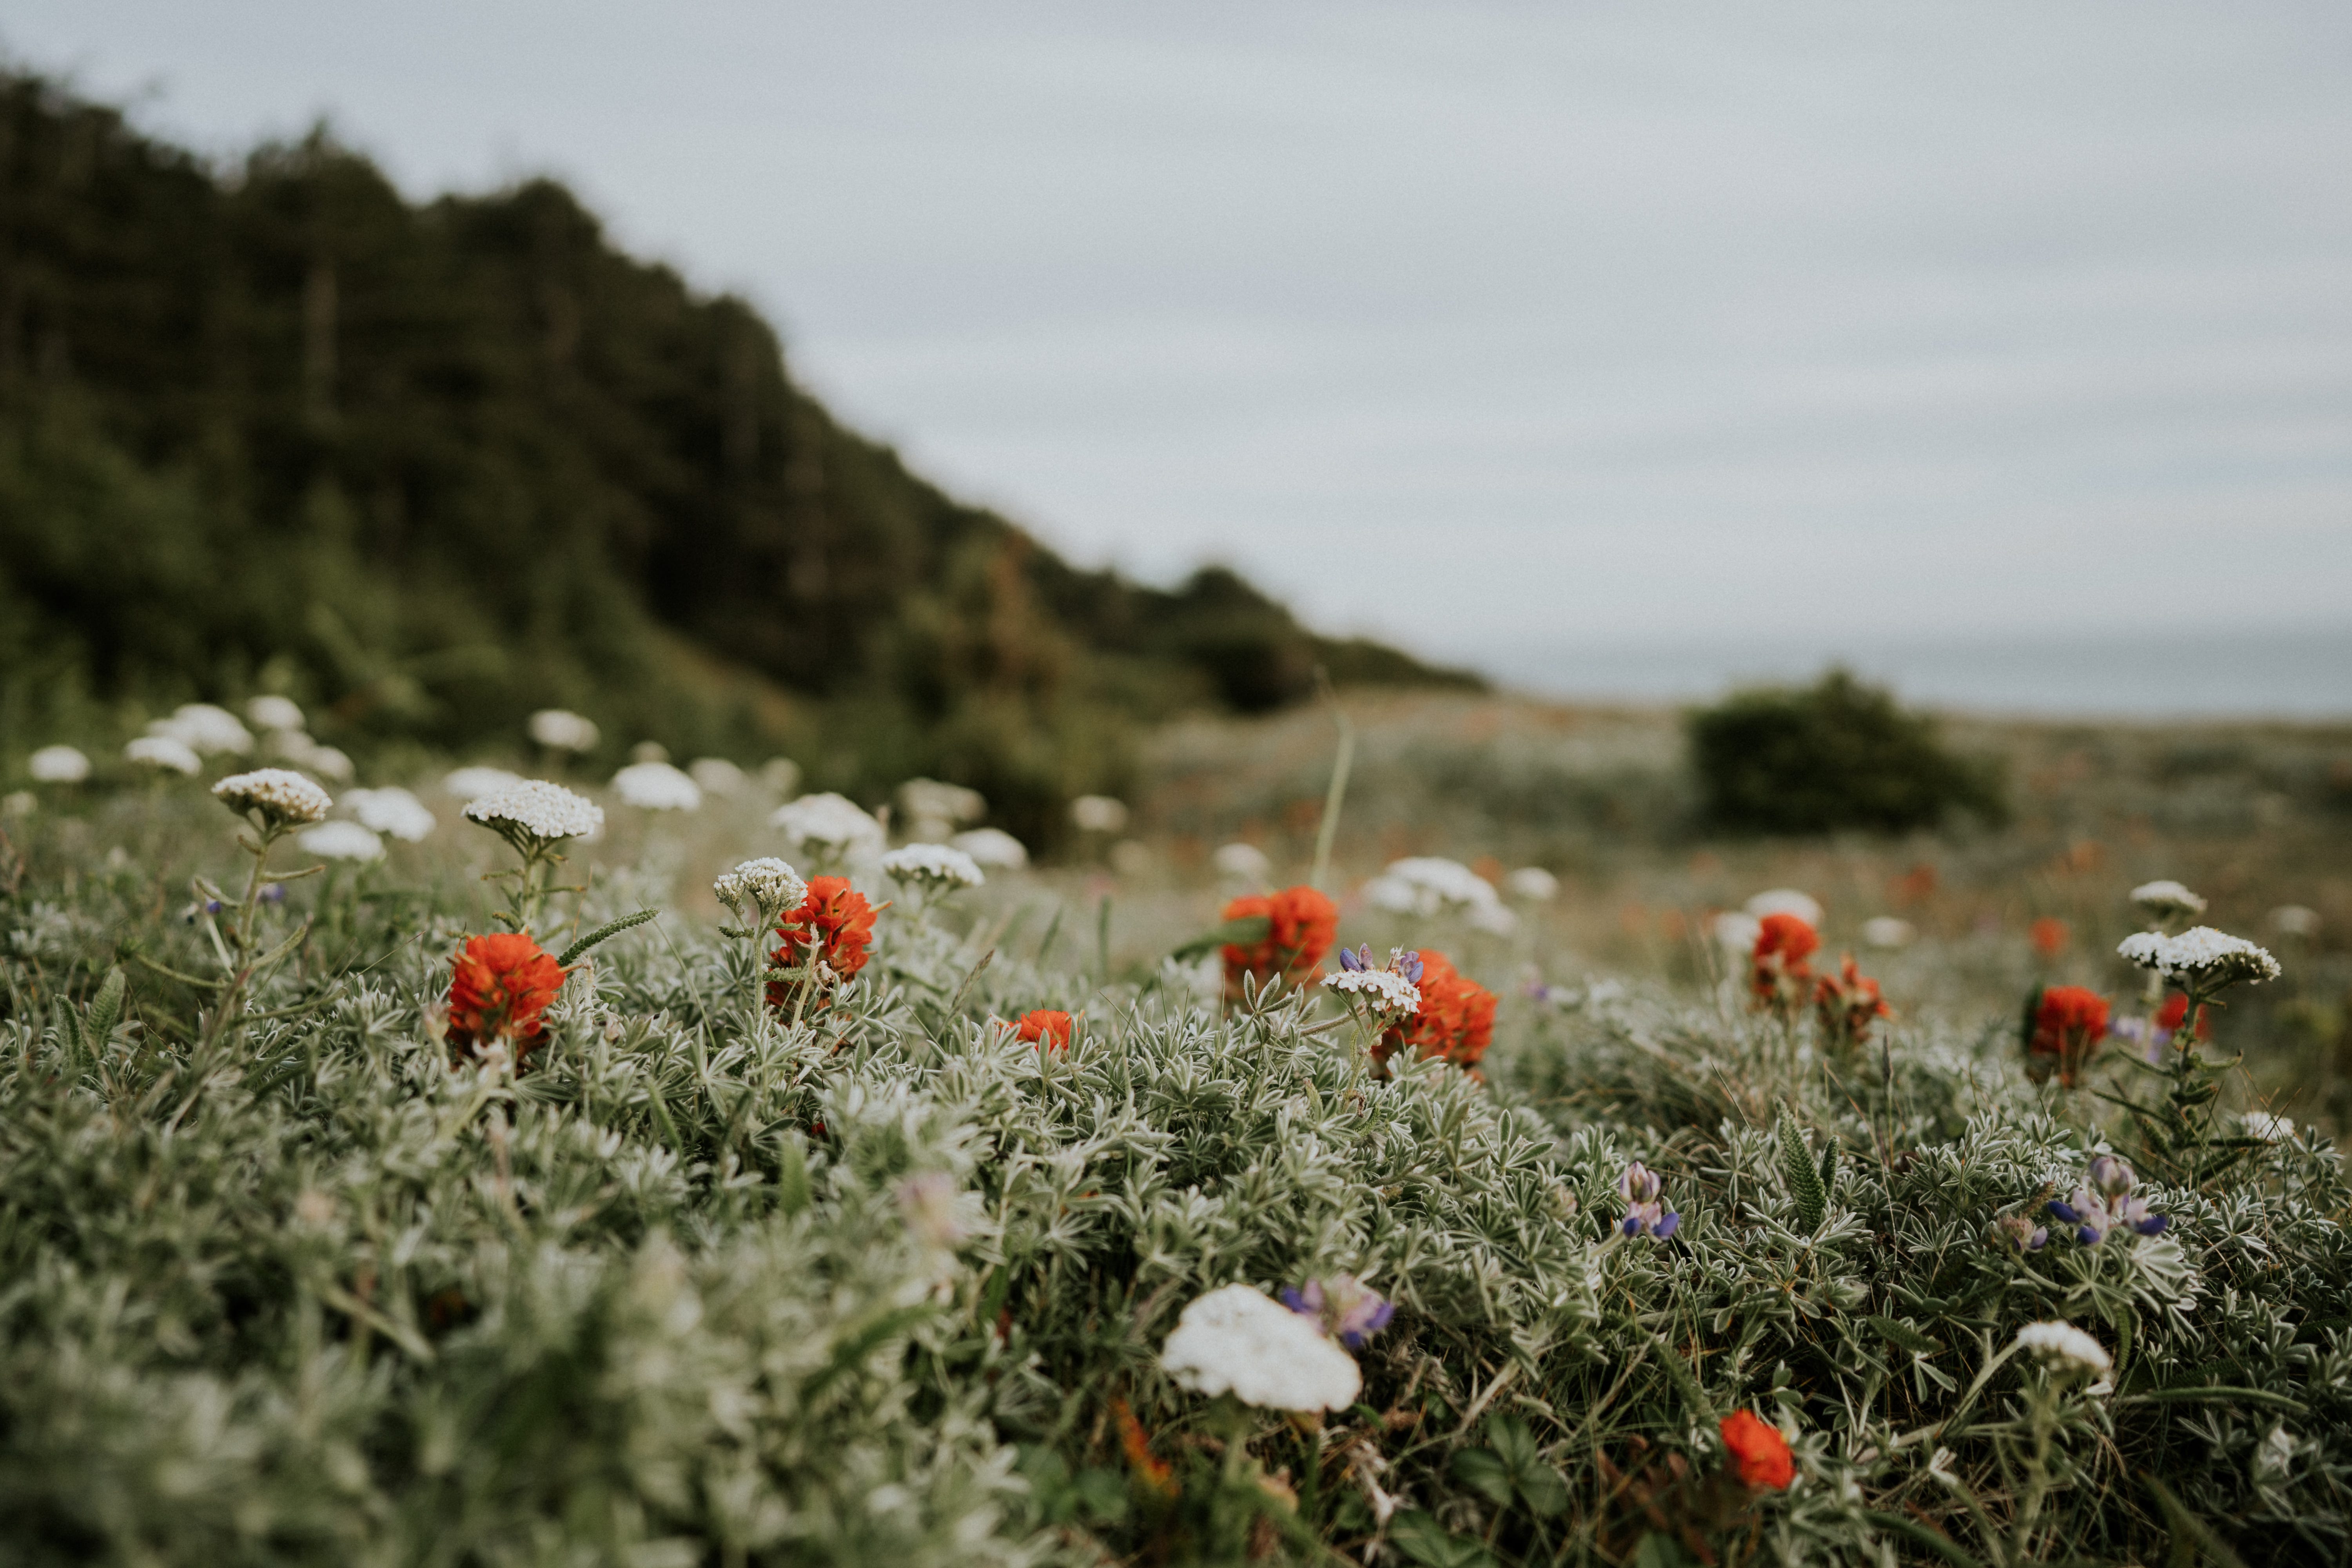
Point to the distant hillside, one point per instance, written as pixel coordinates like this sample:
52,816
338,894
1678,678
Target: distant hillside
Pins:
429,467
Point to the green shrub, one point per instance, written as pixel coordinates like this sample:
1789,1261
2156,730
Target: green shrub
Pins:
1839,754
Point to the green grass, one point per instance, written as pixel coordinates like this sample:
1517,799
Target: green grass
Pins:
298,1290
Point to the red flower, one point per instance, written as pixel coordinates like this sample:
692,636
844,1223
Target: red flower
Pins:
1156,1476
502,982
2175,1008
2049,936
1456,1021
1847,1004
2067,1024
1777,973
1757,1454
835,921
1301,925
1045,1029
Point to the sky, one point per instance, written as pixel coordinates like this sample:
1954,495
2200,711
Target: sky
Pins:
1543,336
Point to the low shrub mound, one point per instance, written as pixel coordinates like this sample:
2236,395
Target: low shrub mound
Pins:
291,1270
1839,754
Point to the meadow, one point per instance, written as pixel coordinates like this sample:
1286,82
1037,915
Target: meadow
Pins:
725,1256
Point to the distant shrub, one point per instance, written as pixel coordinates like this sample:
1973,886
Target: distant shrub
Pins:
1837,754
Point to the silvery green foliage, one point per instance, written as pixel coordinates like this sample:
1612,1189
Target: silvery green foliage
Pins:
326,1298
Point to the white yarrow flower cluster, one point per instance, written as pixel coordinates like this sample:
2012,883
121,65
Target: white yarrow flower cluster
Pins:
1426,885
163,751
279,797
341,841
1736,931
1239,1342
1787,901
1242,862
1532,885
534,809
2200,956
991,847
474,783
205,729
657,787
391,810
58,764
1097,813
938,866
1382,990
276,713
830,822
2166,898
561,729
934,809
1884,931
717,776
2064,1345
764,888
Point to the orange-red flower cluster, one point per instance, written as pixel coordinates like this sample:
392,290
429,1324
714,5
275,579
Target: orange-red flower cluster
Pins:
2067,1024
501,985
835,923
1847,1004
1045,1029
1777,973
1756,1453
2049,936
1456,1021
2176,1008
1301,925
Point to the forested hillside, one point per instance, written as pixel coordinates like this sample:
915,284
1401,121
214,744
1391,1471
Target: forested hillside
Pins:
426,468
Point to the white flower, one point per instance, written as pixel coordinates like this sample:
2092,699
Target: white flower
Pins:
2166,898
19,803
205,729
1236,1341
2064,1345
717,776
473,783
1787,901
1242,862
391,810
657,787
328,762
163,751
1384,991
1426,884
1882,930
279,796
936,864
767,886
1497,920
538,811
2294,920
275,712
1097,813
931,1202
58,764
991,847
830,822
781,773
2270,1128
939,807
2200,954
1532,884
341,841
561,729
1735,931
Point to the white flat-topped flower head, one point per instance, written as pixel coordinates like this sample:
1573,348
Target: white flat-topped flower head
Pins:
2166,898
561,729
1532,885
1787,901
657,787
2063,1346
533,813
391,810
1736,931
938,866
339,841
276,713
1886,932
831,823
1239,1342
205,729
277,798
1097,813
163,751
992,847
760,890
1242,862
1384,991
1431,884
717,776
474,783
2201,958
58,764
933,809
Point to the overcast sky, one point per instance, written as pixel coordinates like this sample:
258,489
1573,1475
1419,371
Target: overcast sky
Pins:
1493,329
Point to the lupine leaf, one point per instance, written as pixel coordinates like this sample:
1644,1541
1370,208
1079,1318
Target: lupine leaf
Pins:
1803,1179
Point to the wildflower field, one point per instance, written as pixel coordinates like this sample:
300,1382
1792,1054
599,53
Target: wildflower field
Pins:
682,1169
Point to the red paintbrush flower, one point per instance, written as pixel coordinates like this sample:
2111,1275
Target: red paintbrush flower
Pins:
2049,936
1045,1028
1756,1453
1847,1004
1301,925
1777,973
1455,1019
500,986
2176,1008
2066,1026
835,923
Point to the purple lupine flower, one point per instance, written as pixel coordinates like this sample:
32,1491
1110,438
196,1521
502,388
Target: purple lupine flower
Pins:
1347,1308
2111,1177
2021,1233
1406,961
1646,1212
2106,1202
1349,959
273,893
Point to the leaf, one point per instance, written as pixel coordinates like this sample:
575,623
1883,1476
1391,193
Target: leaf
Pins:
1425,1542
1483,1471
1239,933
1544,1490
1904,1335
1829,1168
610,929
107,1007
1804,1182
